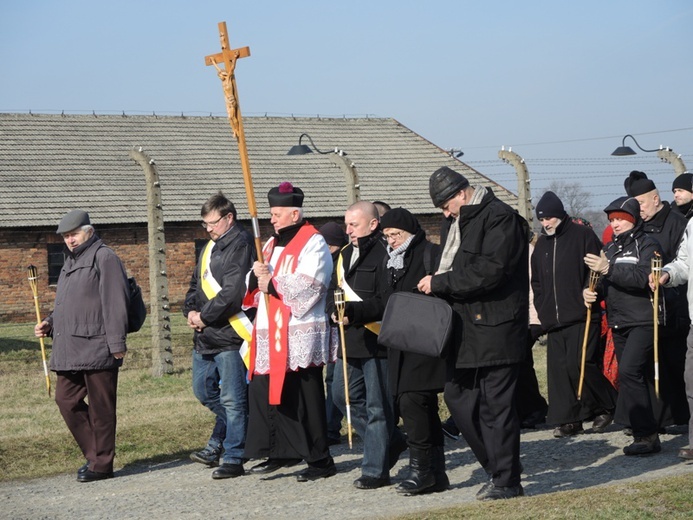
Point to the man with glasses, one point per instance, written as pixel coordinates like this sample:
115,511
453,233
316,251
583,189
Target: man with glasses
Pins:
213,309
357,272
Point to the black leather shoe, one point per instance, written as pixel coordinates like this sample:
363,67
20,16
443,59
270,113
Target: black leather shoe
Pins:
568,429
83,469
484,491
501,493
226,470
533,419
272,465
91,476
450,429
208,456
602,422
371,482
315,472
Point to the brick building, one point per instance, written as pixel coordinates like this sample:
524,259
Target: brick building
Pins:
50,164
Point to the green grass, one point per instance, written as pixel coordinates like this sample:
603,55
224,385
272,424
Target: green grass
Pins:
34,440
662,498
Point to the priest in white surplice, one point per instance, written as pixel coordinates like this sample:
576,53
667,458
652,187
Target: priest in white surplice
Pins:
291,343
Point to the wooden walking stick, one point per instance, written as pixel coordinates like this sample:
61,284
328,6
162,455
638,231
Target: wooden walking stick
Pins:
340,304
656,267
594,278
228,57
33,281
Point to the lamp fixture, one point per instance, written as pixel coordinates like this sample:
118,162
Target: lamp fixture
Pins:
666,154
339,159
624,150
303,149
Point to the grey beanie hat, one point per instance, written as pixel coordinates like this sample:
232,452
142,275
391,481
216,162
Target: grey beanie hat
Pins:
444,184
74,219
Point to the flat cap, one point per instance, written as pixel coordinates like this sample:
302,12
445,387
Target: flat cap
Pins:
74,219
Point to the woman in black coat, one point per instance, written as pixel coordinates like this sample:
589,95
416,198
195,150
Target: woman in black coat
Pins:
625,266
415,380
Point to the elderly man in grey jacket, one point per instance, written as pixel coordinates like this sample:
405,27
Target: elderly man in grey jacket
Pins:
88,325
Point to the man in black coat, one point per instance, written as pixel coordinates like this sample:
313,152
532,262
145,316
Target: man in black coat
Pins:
484,274
370,403
664,224
213,309
558,277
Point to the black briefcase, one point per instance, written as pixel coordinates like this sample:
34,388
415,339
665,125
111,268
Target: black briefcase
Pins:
415,322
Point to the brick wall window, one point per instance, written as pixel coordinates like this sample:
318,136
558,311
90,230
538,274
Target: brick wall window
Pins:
200,244
56,258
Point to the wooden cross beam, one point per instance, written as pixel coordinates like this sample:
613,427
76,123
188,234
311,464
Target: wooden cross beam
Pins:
227,55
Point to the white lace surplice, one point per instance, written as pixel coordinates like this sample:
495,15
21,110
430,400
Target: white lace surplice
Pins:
305,292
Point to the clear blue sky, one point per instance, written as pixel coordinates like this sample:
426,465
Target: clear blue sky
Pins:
561,82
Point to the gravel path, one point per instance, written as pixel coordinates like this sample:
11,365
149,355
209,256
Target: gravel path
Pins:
182,489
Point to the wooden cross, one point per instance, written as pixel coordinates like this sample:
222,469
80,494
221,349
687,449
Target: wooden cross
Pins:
228,57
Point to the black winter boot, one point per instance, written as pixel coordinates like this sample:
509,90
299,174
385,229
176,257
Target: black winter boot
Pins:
420,476
438,465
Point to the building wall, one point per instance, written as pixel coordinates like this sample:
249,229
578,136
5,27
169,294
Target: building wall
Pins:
20,248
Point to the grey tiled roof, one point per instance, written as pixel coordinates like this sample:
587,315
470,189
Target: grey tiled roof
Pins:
50,164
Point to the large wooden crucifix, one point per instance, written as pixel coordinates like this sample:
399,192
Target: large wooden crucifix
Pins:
228,58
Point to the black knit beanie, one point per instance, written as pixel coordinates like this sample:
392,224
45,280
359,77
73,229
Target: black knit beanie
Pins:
550,206
683,182
400,218
637,183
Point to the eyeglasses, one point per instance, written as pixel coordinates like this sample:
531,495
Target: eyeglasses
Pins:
212,225
393,236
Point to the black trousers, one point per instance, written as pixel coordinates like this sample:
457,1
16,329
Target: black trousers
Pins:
482,403
93,424
634,350
294,429
563,357
529,398
419,413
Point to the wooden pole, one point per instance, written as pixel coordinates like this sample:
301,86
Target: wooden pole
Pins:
594,278
33,281
340,304
656,267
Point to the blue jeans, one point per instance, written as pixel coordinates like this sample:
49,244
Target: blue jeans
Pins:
371,410
334,415
219,383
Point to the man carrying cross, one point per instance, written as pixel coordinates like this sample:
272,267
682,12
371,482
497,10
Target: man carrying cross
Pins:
290,345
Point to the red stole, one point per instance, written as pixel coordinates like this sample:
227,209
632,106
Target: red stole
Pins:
279,314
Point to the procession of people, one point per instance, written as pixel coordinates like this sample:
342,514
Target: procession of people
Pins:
266,332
